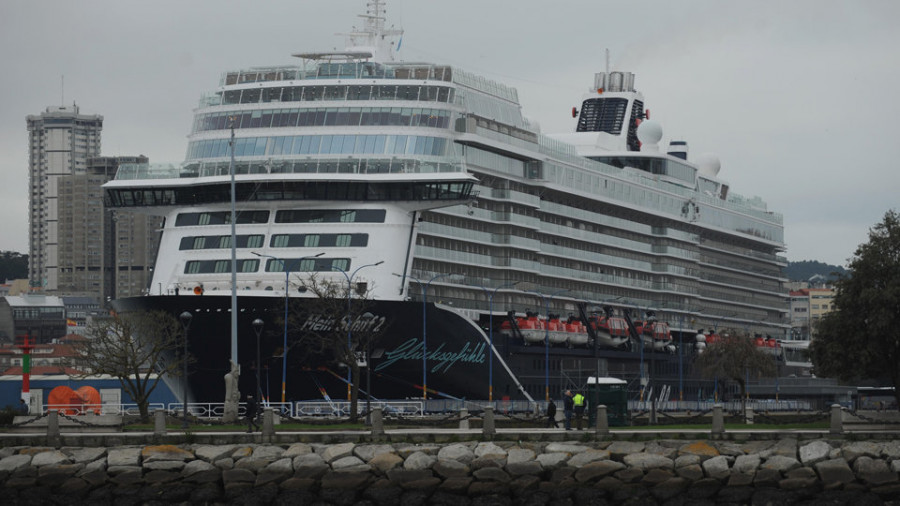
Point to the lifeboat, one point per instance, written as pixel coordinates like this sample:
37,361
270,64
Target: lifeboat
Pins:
654,335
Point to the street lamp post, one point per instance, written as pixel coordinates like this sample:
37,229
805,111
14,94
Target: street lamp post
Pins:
258,327
491,334
424,287
186,318
350,323
546,300
287,274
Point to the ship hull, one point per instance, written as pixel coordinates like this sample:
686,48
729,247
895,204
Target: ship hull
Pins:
459,364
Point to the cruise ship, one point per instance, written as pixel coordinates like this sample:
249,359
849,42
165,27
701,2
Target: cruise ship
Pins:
484,258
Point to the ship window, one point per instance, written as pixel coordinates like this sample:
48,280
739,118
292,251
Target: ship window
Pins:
311,240
343,240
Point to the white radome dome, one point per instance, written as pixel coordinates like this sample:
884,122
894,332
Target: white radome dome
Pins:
709,164
649,132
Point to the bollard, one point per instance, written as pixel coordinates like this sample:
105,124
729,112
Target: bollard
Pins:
488,427
268,425
718,422
464,419
653,412
53,423
748,415
602,422
837,419
159,422
377,422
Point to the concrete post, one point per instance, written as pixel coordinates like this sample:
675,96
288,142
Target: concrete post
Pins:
718,421
159,422
268,425
377,422
837,419
53,423
748,415
488,427
602,422
464,419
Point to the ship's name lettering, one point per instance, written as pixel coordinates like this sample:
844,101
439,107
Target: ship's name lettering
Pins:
363,323
443,360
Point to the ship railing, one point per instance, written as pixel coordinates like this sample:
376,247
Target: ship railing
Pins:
342,408
102,408
731,406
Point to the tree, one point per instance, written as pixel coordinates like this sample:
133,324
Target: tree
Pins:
138,348
734,357
859,338
13,265
328,337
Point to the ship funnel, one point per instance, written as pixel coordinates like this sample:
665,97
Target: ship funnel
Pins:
678,149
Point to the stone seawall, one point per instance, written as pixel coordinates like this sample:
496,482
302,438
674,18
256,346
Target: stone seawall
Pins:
676,472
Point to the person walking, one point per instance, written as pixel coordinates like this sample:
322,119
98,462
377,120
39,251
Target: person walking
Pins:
551,415
578,401
568,406
252,411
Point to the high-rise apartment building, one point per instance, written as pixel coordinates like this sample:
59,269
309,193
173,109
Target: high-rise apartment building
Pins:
60,142
102,254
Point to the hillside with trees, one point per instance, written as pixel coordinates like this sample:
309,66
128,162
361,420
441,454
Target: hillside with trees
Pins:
13,265
805,269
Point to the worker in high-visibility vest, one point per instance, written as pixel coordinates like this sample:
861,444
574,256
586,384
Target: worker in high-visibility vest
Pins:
578,400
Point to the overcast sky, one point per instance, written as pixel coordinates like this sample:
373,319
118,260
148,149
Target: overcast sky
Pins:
799,99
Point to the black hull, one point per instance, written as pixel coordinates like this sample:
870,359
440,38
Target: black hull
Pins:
458,361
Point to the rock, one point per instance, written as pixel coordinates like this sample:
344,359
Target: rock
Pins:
630,475
780,463
717,467
275,472
253,464
368,452
565,448
456,485
891,450
123,457
766,478
196,466
458,452
670,488
399,476
55,475
52,458
873,471
85,455
584,458
740,479
223,464
384,462
241,452
489,450
213,453
656,448
346,481
692,472
686,460
492,474
552,460
348,462
238,476
701,449
297,449
746,464
450,468
164,465
645,461
518,455
269,452
419,460
851,451
619,449
159,476
165,452
532,467
337,451
595,470
784,448
310,465
816,451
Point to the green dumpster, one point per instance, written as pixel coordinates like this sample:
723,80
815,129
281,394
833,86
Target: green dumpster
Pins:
611,392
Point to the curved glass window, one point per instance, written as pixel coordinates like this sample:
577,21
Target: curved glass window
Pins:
319,240
420,93
330,216
219,266
221,218
334,116
220,241
307,264
320,144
